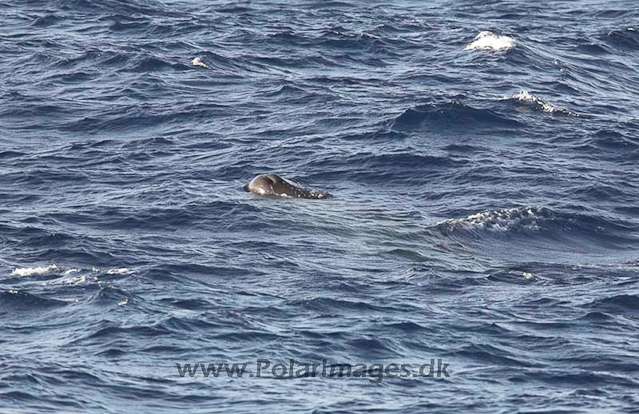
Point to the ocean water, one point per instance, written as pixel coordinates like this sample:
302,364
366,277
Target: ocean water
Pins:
483,161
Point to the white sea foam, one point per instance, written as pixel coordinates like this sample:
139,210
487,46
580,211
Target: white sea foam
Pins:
72,276
36,271
525,96
121,271
198,62
538,103
489,41
75,280
71,281
500,220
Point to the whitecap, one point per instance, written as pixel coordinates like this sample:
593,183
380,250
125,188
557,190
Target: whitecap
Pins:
500,220
538,103
489,41
35,271
121,271
525,96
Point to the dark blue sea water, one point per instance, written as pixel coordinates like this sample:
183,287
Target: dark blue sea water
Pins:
483,161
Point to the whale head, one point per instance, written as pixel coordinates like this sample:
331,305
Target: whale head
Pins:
262,184
274,185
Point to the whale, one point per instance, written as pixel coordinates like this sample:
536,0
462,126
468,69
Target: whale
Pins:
274,185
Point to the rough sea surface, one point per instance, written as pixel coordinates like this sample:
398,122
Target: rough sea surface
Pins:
483,161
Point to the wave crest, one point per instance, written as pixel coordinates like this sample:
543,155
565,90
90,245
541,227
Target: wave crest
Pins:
539,104
54,269
541,223
36,271
452,115
500,220
623,39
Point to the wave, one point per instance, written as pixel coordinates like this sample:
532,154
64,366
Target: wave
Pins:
612,140
54,269
138,7
539,104
519,218
36,271
11,154
489,41
330,305
46,21
339,38
623,39
16,299
488,354
376,168
542,222
617,304
153,64
120,271
454,115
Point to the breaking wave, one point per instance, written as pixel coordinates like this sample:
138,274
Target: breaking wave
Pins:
54,269
539,223
524,97
519,218
35,271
